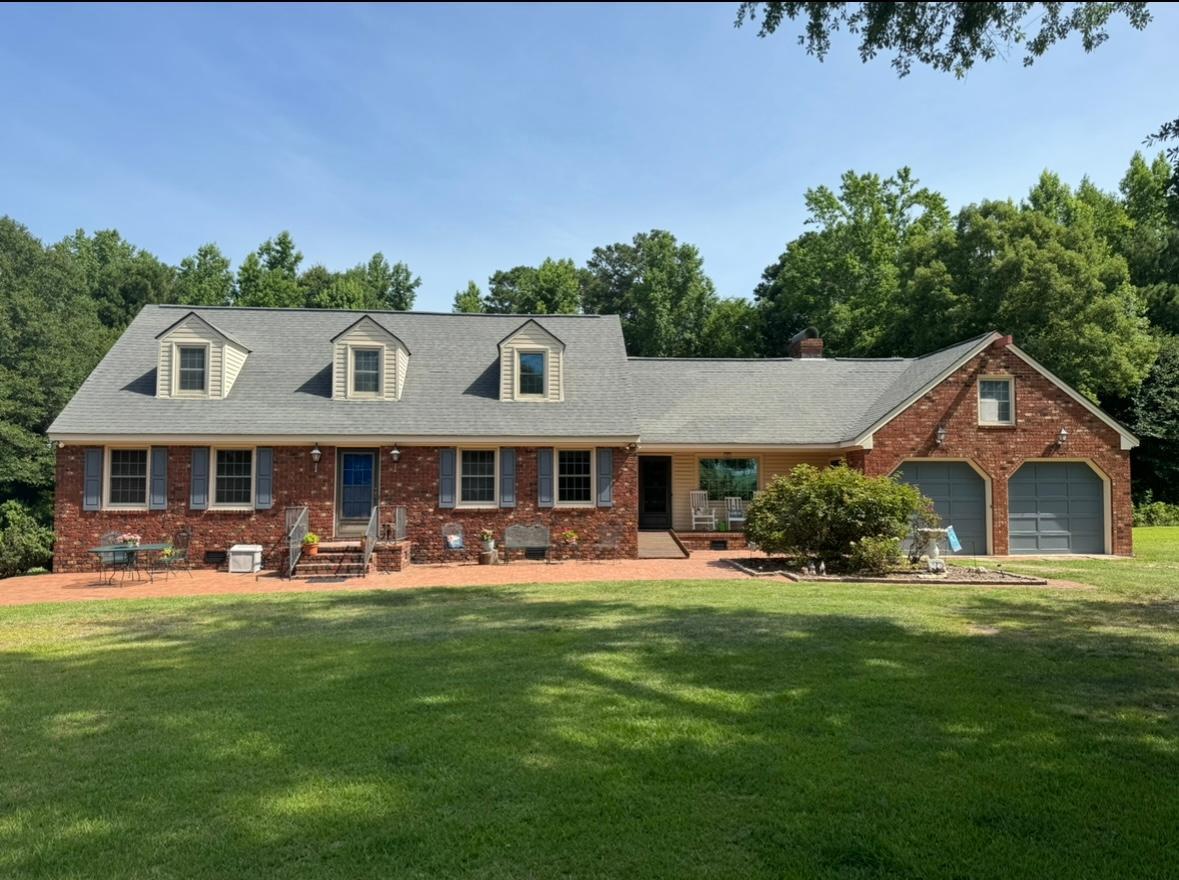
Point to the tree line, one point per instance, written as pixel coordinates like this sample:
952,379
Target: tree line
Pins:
1086,280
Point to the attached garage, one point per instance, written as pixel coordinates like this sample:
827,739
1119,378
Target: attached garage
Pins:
959,495
1056,507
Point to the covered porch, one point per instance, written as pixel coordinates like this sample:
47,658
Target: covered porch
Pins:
668,476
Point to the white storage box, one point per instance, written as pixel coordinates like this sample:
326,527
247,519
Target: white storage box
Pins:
245,558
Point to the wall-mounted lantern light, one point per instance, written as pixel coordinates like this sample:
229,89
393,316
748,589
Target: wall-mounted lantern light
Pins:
395,454
941,434
316,455
1062,437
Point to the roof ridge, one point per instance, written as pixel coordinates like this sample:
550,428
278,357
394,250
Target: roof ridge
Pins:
374,311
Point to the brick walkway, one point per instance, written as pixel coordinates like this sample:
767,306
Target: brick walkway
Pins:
702,565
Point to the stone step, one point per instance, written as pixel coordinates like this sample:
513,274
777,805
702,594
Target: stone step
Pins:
354,568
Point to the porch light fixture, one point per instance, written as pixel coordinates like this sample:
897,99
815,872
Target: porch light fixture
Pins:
395,454
1062,437
941,434
316,455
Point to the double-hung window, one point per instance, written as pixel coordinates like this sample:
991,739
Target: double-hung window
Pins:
127,482
531,382
575,476
366,371
477,477
191,373
995,401
234,478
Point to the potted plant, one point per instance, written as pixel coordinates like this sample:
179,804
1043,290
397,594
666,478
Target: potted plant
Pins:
487,536
569,537
311,542
130,539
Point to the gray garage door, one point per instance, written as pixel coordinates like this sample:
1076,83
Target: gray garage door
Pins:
1056,507
959,495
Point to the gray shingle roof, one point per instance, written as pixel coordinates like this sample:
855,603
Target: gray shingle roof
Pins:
451,386
808,401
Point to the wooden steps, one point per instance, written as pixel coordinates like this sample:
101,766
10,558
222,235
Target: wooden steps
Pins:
659,545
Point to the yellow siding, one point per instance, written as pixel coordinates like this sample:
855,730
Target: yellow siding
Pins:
235,359
531,338
685,475
394,358
187,333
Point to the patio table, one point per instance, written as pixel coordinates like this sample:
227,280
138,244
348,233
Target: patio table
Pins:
132,551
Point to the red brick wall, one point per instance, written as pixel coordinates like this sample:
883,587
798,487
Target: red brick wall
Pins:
412,482
1041,409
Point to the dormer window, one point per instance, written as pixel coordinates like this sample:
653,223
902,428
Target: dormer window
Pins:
197,359
531,364
532,374
368,362
366,371
192,370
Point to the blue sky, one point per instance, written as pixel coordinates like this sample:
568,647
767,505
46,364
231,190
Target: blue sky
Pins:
468,139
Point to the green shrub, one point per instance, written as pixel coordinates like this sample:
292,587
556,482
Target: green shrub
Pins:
874,555
24,542
1156,513
818,514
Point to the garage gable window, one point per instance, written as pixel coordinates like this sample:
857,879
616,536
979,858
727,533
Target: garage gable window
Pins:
996,405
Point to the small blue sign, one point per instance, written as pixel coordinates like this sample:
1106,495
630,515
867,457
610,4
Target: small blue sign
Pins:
952,537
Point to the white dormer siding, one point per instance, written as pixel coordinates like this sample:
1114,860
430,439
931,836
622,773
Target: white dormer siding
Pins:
531,337
366,334
223,359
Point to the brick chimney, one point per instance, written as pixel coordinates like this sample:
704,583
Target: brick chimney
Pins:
806,344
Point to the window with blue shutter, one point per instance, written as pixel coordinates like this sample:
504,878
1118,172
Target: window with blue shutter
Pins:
446,477
92,478
544,477
264,478
507,477
158,494
198,496
605,477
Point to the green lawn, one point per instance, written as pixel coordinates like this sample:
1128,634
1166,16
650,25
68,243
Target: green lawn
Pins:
733,729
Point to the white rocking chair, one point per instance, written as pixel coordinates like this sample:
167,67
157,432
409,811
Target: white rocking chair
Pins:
702,514
735,511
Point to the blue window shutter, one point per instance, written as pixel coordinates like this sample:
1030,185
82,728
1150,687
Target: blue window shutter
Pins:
544,477
507,477
264,478
446,481
605,476
158,498
92,478
198,497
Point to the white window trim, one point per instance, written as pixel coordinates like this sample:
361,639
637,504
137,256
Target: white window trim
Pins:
493,504
208,347
1010,380
106,479
213,503
366,395
593,499
548,360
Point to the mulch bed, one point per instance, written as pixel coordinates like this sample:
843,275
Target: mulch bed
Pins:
955,574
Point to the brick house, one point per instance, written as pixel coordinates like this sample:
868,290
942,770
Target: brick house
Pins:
226,419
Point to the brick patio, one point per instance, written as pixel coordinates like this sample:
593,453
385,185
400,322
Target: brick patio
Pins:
82,586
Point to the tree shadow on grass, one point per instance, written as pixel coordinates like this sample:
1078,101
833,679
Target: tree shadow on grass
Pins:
533,732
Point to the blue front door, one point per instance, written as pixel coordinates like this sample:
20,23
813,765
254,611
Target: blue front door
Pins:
356,485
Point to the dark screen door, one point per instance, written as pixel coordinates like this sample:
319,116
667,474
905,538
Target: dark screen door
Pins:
655,492
356,485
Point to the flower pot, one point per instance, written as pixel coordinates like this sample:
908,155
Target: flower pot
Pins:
488,546
312,549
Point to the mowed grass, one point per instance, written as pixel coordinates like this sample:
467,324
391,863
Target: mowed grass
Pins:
736,729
